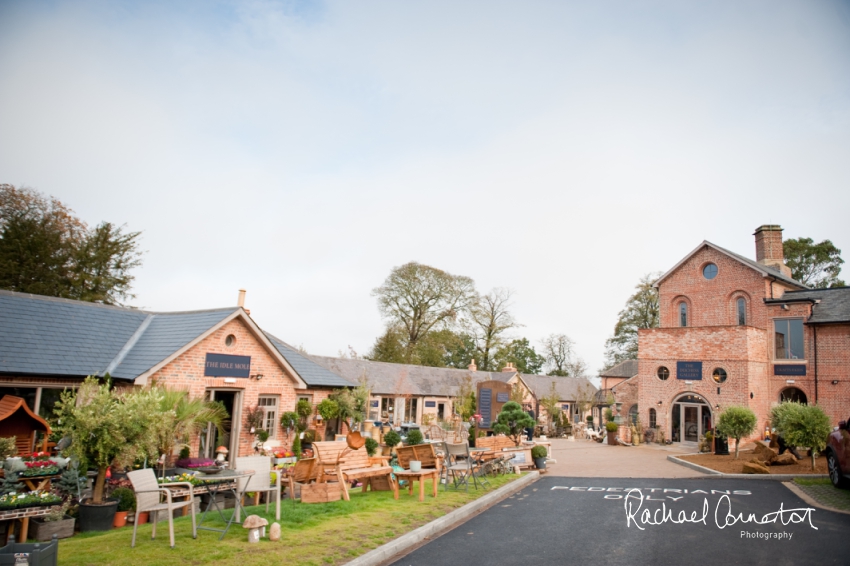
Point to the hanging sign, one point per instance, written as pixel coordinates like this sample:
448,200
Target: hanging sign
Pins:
222,365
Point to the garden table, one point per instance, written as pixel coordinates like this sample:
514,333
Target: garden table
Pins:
38,483
224,483
23,515
421,476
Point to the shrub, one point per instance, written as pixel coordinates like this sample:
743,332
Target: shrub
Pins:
7,447
802,425
392,438
329,409
512,421
184,452
611,426
415,437
371,446
609,415
310,436
736,422
126,498
539,452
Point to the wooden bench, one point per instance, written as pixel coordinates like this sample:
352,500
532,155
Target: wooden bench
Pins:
337,459
495,444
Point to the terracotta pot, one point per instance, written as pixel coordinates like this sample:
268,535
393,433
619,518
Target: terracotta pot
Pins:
120,519
612,438
143,518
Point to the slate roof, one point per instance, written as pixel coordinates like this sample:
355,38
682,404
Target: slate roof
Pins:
763,269
312,373
567,387
834,306
399,379
627,369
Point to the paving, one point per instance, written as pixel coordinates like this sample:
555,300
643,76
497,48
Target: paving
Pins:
585,458
573,520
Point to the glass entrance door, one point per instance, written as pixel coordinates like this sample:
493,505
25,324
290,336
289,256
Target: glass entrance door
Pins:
692,423
691,418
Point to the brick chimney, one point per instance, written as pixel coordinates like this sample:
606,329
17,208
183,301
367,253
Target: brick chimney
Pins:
472,366
769,248
509,367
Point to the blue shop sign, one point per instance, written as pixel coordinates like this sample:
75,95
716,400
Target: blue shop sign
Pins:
222,365
502,397
430,404
691,371
485,406
789,369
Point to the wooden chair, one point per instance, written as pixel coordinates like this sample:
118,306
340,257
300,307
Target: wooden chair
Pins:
424,453
305,471
346,465
260,482
149,495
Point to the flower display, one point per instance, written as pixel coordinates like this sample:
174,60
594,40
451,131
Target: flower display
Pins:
40,467
15,500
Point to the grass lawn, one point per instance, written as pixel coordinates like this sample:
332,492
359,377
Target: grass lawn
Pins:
313,534
822,491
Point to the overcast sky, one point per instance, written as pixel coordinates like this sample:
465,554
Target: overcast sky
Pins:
301,150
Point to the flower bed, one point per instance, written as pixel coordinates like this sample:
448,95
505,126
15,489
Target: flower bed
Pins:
33,499
192,463
40,468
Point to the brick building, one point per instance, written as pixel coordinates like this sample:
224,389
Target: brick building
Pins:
49,344
743,332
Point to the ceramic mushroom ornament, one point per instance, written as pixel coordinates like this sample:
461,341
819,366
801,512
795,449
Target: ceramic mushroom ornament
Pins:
254,523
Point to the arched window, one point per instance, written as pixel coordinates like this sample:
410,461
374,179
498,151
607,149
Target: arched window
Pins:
683,314
793,394
742,311
633,414
652,418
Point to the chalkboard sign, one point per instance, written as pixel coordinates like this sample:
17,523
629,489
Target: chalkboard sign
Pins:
691,371
485,399
519,458
502,397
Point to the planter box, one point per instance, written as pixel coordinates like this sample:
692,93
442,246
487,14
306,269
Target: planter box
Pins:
320,493
290,460
33,554
44,530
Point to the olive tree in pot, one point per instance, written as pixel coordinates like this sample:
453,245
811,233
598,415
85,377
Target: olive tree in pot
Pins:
106,425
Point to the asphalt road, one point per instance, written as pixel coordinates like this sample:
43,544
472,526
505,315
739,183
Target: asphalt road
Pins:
559,520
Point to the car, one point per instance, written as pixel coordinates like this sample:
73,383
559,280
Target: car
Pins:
838,455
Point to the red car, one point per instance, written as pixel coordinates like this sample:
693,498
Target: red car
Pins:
838,454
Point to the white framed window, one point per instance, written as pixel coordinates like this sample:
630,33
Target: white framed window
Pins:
269,404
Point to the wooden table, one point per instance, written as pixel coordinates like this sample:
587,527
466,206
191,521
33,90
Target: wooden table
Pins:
23,515
38,483
421,476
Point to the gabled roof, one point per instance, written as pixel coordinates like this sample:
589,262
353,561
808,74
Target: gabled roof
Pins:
765,270
626,368
832,306
312,373
10,405
404,379
59,337
567,387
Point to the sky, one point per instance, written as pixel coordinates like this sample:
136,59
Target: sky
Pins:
301,150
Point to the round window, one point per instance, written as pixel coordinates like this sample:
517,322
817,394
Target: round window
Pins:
663,373
719,375
709,271
230,341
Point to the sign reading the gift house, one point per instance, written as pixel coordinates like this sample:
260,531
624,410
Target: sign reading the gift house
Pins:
222,365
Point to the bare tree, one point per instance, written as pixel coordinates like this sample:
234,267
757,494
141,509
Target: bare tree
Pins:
560,357
489,318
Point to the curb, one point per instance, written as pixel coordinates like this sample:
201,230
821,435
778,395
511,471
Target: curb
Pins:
714,474
810,500
407,541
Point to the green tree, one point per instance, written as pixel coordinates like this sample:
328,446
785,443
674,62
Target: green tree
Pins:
107,425
438,348
641,311
815,265
736,422
416,299
802,425
463,403
46,250
512,421
522,354
552,403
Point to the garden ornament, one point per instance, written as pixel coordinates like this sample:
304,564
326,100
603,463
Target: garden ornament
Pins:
254,523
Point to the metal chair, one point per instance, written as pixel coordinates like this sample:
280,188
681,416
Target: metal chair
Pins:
149,499
460,465
260,482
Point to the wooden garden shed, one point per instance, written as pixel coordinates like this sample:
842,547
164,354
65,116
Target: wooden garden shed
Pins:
18,420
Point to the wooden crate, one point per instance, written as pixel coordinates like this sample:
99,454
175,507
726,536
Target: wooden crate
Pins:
320,492
379,483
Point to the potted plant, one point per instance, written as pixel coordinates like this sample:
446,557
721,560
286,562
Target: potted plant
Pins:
612,428
372,446
126,502
538,454
106,426
415,437
391,439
